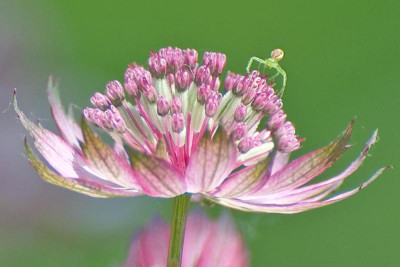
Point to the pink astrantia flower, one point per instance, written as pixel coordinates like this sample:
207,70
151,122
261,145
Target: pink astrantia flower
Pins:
175,133
207,243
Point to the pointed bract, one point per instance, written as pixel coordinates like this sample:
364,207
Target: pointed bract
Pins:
156,176
211,163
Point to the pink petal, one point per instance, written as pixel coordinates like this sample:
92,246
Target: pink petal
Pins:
211,163
198,231
80,185
150,246
55,150
307,167
279,160
157,176
120,150
318,190
66,125
244,182
224,248
206,244
104,162
293,207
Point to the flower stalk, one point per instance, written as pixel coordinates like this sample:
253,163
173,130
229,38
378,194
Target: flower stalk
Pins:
178,223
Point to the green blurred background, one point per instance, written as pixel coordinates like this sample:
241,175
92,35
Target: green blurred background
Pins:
342,59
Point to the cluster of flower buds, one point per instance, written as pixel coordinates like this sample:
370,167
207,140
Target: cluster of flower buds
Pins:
171,60
176,87
139,80
110,119
258,96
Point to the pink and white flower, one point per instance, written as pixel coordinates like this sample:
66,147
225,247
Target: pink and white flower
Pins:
175,133
207,243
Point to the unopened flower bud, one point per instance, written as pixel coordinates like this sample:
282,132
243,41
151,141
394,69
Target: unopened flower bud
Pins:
273,105
115,92
176,105
212,103
230,80
157,65
183,79
202,76
190,57
88,114
286,138
162,106
171,79
239,132
215,62
178,122
260,101
132,89
240,113
246,144
276,120
202,93
100,101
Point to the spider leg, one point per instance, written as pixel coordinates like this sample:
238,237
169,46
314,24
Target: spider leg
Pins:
252,59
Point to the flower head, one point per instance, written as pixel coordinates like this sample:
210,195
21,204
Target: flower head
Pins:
175,133
206,243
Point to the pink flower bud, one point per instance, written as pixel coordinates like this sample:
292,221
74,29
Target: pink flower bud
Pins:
157,65
202,76
276,120
190,57
246,144
162,106
183,79
215,62
230,80
212,103
115,92
240,113
260,100
100,101
176,105
240,131
202,93
88,114
132,89
286,138
273,105
178,122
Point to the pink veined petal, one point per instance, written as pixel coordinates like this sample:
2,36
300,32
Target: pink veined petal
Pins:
279,160
224,248
104,162
150,246
294,207
157,177
54,149
307,167
66,125
211,163
198,231
243,181
315,191
80,185
121,152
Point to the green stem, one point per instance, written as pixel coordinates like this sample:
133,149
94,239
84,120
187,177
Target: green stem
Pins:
178,223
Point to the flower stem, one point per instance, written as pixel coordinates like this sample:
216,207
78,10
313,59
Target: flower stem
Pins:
181,204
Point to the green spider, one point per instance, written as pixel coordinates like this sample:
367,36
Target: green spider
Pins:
272,63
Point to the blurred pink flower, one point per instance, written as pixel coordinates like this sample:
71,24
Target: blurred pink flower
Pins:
183,136
207,243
